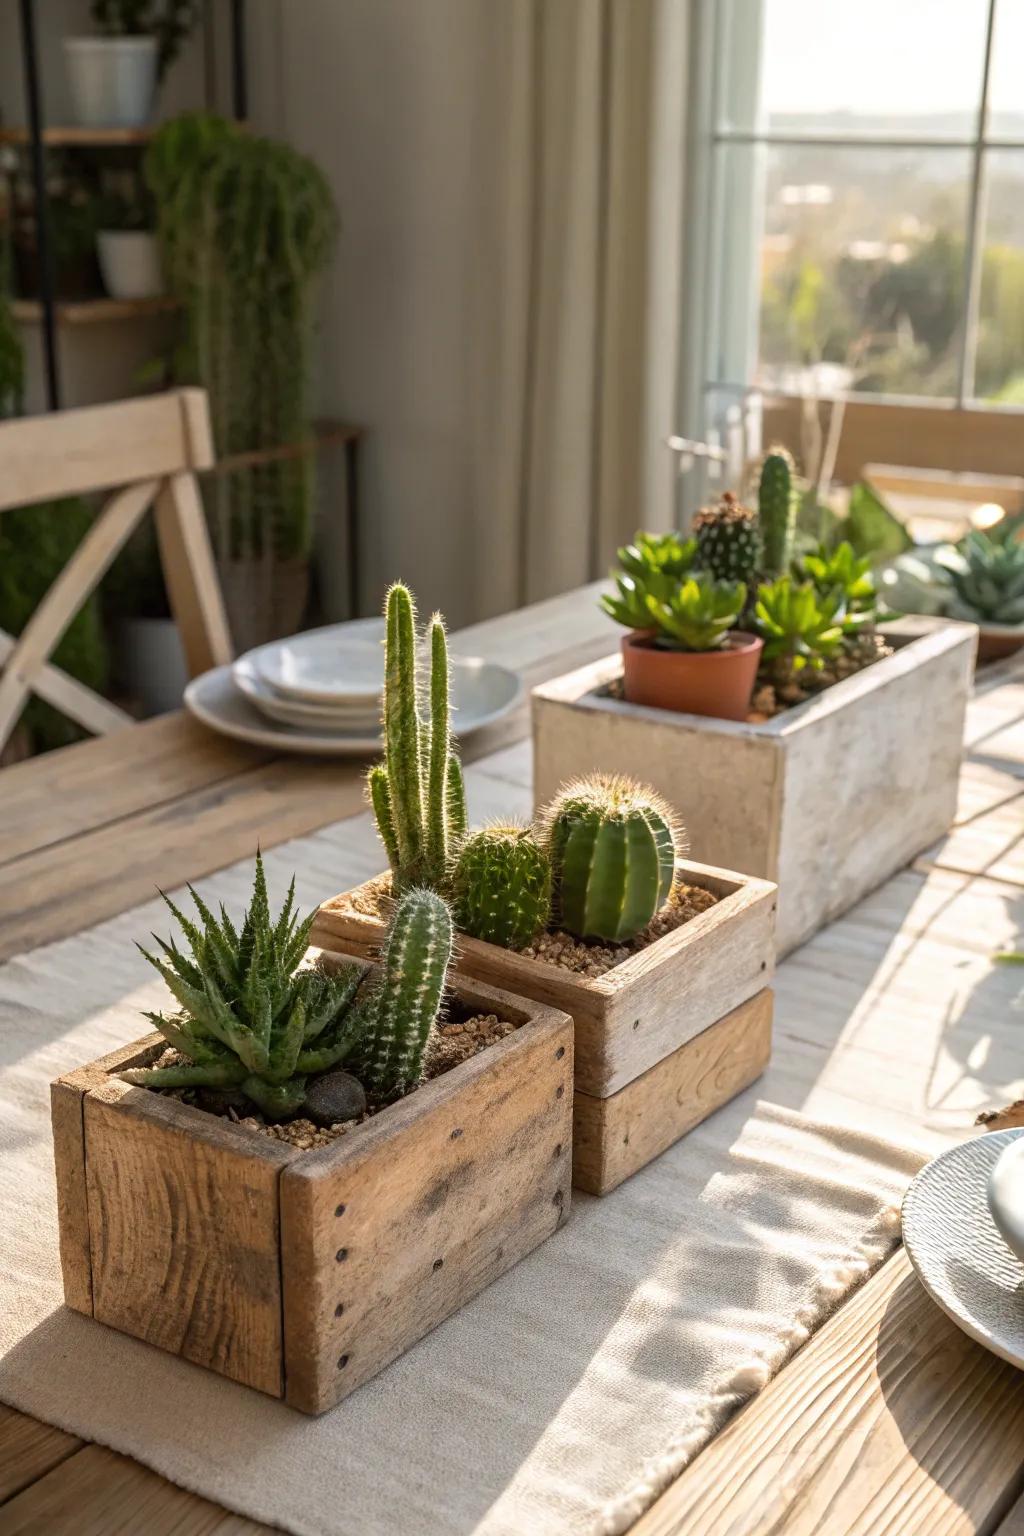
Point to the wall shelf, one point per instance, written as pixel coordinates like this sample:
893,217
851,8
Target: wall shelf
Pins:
91,311
78,137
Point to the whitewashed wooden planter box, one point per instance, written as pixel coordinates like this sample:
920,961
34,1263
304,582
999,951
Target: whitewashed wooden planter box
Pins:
827,799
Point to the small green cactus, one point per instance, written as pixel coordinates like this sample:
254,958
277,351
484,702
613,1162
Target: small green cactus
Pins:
728,541
776,510
501,886
399,1017
249,1018
613,846
416,793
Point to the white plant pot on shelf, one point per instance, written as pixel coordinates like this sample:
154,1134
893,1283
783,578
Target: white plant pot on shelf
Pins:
112,80
130,263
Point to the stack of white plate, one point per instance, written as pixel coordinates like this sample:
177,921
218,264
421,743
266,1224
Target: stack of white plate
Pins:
322,692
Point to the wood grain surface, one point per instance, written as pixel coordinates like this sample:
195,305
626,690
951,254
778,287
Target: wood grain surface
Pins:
616,1136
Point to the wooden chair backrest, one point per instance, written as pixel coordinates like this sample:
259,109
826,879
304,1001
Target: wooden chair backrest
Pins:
149,450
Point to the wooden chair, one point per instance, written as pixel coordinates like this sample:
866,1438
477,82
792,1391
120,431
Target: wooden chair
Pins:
150,449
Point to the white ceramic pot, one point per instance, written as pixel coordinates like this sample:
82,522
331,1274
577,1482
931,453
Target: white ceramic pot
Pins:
151,664
112,80
130,263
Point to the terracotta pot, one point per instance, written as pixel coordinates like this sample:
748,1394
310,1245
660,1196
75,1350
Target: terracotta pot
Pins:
717,683
998,640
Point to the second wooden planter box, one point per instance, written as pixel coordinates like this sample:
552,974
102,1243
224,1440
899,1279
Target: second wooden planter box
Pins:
661,1040
304,1273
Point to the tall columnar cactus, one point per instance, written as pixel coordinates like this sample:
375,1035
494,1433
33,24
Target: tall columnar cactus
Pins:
403,1007
501,886
776,509
613,845
416,792
728,541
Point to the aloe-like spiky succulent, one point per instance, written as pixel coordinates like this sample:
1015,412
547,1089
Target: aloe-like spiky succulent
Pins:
254,1020
501,886
698,615
800,626
613,845
987,575
417,792
250,1019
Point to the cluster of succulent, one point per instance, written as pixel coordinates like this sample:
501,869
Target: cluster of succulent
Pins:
986,575
741,571
600,862
256,1019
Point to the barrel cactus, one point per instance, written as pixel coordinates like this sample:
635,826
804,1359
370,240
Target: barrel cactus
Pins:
416,792
728,541
501,886
776,510
613,846
400,1014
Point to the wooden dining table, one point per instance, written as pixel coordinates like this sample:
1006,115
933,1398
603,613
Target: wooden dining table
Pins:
888,1422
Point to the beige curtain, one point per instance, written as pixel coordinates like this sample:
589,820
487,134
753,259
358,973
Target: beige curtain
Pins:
576,286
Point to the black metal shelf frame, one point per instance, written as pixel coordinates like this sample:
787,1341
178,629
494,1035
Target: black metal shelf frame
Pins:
33,98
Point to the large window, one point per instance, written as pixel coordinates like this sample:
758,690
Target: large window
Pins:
861,200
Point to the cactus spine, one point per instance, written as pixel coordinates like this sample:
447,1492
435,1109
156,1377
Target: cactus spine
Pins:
613,846
501,886
728,541
404,1006
776,507
416,793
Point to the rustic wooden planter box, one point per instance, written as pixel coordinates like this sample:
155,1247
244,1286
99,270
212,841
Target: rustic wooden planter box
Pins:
305,1273
662,1040
827,799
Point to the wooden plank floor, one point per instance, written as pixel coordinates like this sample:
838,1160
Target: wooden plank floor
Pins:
889,1422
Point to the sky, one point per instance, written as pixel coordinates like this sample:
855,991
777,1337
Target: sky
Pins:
898,57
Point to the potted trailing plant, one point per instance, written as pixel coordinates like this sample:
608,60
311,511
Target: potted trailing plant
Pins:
980,579
126,244
113,76
245,225
845,766
663,964
305,1169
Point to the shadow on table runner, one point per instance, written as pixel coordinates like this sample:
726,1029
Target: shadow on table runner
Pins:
560,1401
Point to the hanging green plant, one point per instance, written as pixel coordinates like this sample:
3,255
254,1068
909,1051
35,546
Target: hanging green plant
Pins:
245,225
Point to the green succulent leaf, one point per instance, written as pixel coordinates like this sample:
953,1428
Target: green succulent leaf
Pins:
699,614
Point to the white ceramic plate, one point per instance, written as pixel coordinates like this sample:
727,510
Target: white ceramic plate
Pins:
360,717
481,693
339,663
954,1245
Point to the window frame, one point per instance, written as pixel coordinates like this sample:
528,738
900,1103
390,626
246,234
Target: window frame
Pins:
715,55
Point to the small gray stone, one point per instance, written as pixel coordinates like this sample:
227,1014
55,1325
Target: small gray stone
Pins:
333,1097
